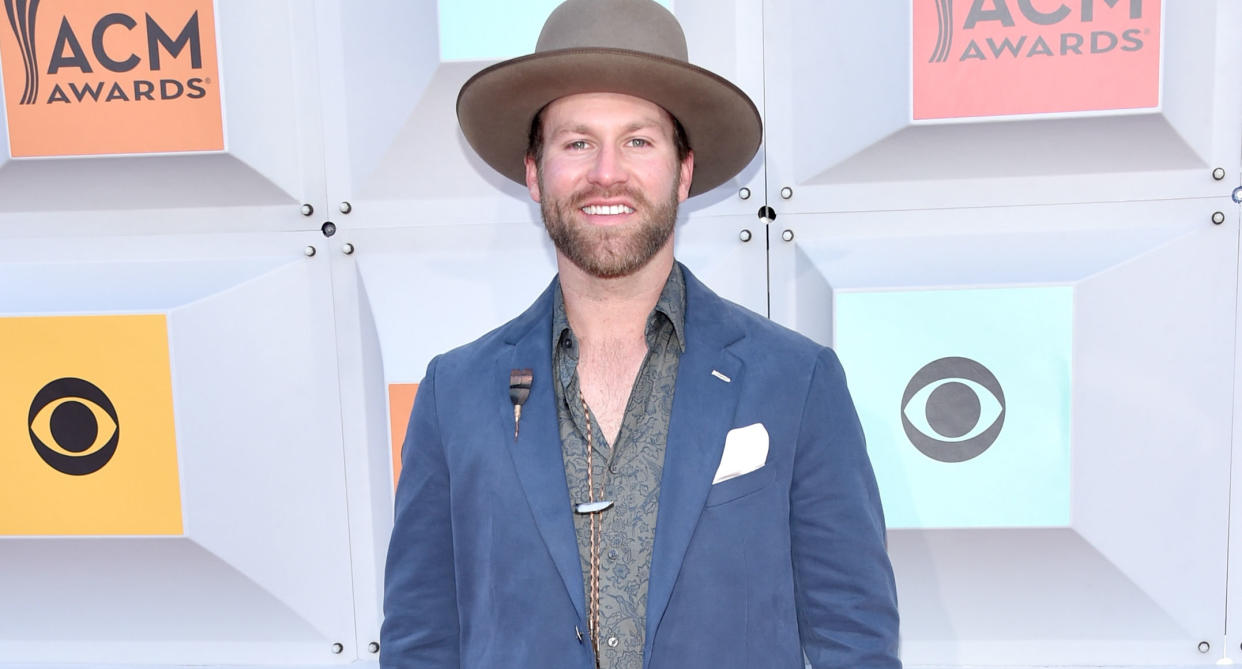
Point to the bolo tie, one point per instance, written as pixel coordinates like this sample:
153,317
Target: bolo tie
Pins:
592,507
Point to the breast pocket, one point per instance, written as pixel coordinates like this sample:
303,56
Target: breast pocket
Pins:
740,486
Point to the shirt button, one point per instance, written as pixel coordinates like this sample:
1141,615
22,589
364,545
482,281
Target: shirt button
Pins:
612,642
612,554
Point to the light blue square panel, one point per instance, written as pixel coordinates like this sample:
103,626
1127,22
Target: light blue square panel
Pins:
493,29
964,396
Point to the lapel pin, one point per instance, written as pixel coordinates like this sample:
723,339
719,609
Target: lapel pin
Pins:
519,391
722,377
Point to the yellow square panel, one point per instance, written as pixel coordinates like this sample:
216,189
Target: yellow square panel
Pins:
87,440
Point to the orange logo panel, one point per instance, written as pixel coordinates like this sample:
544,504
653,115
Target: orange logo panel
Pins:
1008,57
400,403
84,77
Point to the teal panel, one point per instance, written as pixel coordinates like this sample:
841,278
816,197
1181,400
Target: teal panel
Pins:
1012,446
493,29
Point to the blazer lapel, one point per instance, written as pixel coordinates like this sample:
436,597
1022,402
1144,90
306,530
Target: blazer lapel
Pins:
537,451
703,409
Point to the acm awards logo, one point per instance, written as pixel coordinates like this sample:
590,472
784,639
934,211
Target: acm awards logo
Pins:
953,409
97,77
1080,39
978,58
74,426
68,53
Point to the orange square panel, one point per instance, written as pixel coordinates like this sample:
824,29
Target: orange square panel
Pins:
1019,57
90,77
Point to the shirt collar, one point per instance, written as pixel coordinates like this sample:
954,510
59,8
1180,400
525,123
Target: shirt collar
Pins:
670,306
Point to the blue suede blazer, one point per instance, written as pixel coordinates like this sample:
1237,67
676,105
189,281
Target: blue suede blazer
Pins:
483,568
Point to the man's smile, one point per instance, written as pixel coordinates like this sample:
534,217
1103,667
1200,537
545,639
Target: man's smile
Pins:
607,209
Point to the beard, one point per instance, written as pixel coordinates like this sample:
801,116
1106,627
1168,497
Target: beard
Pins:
610,252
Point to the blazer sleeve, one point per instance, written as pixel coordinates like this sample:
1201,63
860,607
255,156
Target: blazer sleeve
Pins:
420,626
845,593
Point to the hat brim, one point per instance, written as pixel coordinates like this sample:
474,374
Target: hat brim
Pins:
496,106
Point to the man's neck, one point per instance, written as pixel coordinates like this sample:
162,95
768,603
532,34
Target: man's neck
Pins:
610,310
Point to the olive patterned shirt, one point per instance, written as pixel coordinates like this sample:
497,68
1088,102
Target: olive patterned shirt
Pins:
628,471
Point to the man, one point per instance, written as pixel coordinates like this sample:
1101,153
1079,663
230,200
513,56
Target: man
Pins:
634,472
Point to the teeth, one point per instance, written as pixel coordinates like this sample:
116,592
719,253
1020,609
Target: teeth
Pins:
606,210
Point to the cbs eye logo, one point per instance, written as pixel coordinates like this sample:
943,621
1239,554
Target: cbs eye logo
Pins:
73,426
953,409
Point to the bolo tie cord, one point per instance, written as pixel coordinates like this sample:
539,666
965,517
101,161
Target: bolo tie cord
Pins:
593,613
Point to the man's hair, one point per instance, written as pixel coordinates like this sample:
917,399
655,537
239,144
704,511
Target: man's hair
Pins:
534,146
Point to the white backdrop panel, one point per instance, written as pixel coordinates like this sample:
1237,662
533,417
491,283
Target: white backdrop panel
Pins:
273,133
389,97
261,572
1133,572
842,135
1234,594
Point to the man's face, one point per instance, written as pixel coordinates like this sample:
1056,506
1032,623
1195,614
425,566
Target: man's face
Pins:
609,181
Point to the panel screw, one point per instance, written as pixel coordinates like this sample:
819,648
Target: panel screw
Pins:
309,251
307,210
347,249
346,207
787,235
1218,217
1237,195
744,235
744,193
338,648
373,646
328,228
1204,646
767,214
786,192
1218,173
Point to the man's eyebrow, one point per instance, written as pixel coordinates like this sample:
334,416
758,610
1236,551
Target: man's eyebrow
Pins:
584,129
579,129
643,125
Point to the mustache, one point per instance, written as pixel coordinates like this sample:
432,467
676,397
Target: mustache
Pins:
582,197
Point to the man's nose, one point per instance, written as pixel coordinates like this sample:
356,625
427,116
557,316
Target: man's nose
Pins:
609,167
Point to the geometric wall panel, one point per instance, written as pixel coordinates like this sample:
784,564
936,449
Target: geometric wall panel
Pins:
850,135
417,284
143,106
1082,514
257,569
390,106
1233,612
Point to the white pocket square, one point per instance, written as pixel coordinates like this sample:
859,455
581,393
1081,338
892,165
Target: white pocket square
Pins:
745,450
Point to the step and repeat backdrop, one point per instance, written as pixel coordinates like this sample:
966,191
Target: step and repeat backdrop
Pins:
234,233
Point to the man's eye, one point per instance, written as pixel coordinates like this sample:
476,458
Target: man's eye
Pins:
577,145
638,142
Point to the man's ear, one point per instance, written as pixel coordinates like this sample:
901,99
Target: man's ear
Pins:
687,177
532,178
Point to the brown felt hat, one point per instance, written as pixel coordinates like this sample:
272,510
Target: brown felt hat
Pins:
634,47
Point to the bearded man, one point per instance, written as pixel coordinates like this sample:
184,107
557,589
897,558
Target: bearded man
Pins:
634,473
